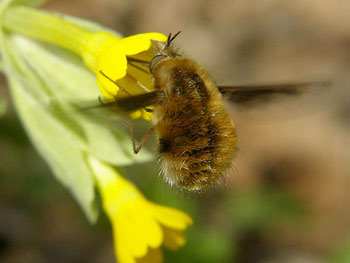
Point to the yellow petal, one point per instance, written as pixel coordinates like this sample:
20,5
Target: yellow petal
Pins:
172,218
122,252
153,256
173,239
113,67
120,246
141,76
129,87
134,229
98,43
147,115
136,114
127,231
142,227
152,231
113,64
108,89
140,42
107,96
139,226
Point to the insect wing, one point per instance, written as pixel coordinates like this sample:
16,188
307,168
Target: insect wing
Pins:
118,111
124,105
248,95
132,103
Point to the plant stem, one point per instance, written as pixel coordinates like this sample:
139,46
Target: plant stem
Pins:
45,26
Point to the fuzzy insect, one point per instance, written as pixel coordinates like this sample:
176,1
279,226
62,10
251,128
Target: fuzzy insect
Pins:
197,139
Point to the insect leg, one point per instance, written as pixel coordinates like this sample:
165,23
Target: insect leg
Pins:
144,139
132,136
100,99
121,88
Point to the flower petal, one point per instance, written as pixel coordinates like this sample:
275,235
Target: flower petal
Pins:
153,256
147,115
113,67
127,232
129,86
172,218
142,76
95,47
113,64
106,88
173,239
136,114
142,229
140,42
153,232
121,249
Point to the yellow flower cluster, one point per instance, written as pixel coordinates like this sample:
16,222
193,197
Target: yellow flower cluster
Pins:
140,227
121,64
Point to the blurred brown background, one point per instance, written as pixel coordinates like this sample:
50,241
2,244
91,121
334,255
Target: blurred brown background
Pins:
305,155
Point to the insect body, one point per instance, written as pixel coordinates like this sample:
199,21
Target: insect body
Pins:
197,140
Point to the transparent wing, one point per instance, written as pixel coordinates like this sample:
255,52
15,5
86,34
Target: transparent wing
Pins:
126,105
258,94
116,113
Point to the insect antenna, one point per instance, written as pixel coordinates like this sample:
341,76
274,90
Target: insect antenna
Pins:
171,38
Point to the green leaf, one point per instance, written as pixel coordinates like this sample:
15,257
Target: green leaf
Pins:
45,81
59,146
76,83
67,162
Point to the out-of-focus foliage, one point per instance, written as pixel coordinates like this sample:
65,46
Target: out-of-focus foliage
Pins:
261,208
3,107
342,253
45,80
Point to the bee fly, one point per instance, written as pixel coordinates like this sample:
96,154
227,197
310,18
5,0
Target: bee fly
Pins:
197,139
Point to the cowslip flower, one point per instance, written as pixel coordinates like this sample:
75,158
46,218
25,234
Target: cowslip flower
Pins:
139,226
116,63
79,152
113,59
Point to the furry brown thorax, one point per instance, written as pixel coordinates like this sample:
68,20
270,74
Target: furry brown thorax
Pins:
197,139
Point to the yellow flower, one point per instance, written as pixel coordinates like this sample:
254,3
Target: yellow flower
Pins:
121,64
140,227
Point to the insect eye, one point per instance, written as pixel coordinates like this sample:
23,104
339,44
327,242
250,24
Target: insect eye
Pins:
156,60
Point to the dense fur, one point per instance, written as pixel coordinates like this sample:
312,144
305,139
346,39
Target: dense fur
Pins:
196,136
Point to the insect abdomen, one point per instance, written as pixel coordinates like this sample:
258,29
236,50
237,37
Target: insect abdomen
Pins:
196,136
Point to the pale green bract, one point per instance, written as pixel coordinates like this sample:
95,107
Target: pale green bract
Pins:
44,81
